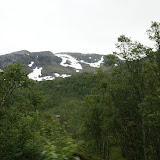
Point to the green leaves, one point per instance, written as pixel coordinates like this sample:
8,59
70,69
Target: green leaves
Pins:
111,60
129,50
51,152
101,110
154,33
12,78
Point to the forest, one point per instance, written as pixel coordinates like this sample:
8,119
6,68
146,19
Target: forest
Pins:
112,114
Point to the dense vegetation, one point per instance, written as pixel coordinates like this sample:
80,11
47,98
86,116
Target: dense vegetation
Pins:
112,114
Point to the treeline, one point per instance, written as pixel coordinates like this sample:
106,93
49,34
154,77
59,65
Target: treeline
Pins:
125,109
29,129
109,115
26,133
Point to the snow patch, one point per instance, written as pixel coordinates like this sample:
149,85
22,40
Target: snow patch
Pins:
65,75
30,65
73,62
47,78
57,74
35,75
62,75
95,64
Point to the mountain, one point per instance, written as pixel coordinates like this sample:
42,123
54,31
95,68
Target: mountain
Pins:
47,65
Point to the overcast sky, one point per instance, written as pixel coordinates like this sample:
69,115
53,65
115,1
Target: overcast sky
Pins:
88,26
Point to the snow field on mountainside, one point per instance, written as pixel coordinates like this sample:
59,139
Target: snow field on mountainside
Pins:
67,61
74,63
35,75
95,64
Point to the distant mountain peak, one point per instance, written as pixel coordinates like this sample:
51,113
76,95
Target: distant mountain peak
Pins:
46,65
21,52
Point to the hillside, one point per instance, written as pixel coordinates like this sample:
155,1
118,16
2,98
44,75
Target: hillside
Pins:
47,66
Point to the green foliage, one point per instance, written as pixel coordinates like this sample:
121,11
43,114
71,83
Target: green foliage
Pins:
51,152
11,79
130,94
23,129
98,119
111,60
154,33
116,154
106,114
129,50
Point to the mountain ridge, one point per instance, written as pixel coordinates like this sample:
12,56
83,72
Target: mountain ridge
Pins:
46,65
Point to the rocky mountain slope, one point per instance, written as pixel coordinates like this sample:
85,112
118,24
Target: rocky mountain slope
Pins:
47,66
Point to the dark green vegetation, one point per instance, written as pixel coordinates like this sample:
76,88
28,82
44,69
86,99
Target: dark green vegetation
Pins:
111,115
